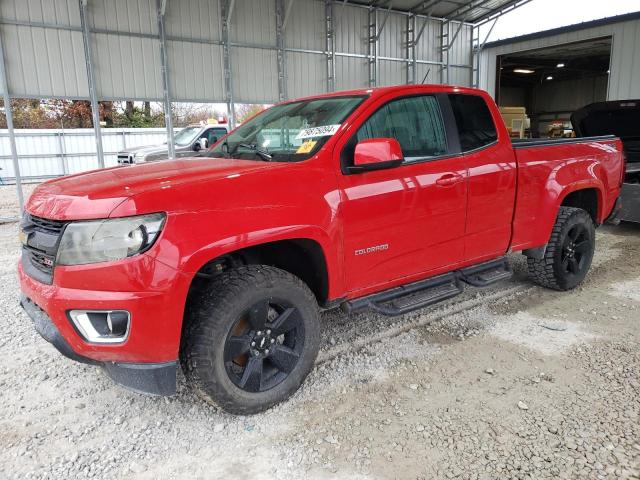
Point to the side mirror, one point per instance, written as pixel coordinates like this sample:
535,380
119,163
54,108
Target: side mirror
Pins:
201,144
376,154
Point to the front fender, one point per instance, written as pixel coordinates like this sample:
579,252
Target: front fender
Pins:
190,260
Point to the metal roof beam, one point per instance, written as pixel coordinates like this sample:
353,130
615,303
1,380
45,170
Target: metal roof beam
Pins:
498,12
456,13
425,5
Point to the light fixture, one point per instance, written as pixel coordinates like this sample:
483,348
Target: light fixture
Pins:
523,70
549,77
560,65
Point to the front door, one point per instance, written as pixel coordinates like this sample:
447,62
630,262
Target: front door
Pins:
405,221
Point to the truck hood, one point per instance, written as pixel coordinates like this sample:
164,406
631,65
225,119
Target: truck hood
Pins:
620,118
145,149
96,194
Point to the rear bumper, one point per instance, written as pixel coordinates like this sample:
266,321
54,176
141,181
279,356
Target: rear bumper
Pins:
149,378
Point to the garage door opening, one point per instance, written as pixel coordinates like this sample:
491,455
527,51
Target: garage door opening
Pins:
537,90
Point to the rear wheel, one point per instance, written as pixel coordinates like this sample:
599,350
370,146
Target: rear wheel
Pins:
251,339
569,252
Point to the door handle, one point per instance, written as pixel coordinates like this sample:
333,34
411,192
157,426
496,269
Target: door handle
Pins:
449,179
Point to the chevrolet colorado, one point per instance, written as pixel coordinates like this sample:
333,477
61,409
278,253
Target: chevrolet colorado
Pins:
388,199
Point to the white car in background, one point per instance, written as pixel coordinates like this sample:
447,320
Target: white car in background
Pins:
188,142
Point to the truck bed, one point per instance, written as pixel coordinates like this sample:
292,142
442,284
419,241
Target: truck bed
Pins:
565,160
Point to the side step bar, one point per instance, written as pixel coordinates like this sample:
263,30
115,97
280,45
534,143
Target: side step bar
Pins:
417,295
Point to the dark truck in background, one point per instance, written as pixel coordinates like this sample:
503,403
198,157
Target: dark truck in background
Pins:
622,119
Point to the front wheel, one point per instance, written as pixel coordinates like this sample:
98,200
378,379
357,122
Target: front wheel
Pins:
251,338
569,252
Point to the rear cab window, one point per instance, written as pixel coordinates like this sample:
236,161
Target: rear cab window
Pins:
476,128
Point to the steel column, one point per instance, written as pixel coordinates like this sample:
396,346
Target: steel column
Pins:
477,48
161,6
281,16
91,78
444,41
411,49
226,11
9,116
372,46
330,47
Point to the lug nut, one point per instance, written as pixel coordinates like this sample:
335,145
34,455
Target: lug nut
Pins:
268,332
253,344
272,340
259,332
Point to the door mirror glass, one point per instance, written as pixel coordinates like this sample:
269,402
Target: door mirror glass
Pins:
376,154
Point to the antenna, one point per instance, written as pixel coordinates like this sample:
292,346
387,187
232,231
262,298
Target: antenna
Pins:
426,75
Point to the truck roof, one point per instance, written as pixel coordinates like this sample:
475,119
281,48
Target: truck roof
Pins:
378,91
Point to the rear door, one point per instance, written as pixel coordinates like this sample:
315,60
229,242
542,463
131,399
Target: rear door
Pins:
404,221
492,177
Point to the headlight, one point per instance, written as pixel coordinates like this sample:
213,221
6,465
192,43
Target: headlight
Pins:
108,240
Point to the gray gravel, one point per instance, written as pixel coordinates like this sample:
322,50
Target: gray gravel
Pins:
511,382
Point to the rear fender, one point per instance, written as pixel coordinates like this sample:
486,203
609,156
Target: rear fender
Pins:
564,180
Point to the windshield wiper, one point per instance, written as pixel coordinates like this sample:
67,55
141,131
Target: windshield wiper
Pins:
263,154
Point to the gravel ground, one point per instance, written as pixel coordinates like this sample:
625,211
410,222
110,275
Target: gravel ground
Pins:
9,199
510,382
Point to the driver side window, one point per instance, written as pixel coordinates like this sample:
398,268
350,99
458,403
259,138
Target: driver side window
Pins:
416,122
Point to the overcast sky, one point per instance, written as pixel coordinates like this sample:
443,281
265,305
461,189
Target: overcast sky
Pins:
541,15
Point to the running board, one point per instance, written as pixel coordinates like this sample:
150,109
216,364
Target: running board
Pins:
486,274
417,295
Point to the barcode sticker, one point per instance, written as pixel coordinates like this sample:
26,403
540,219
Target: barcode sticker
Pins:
323,131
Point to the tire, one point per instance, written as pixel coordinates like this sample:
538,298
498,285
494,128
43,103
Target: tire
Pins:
569,252
251,338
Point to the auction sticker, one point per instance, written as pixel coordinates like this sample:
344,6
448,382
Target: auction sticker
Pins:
307,146
323,131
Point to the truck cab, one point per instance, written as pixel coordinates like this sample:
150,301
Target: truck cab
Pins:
188,142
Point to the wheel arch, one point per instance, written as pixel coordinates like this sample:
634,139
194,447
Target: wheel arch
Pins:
588,197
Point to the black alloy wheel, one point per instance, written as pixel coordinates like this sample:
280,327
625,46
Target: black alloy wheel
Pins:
575,250
264,345
250,338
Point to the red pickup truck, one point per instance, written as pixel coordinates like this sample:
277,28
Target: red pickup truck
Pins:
388,199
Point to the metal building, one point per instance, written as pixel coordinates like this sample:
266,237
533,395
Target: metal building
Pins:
231,51
556,72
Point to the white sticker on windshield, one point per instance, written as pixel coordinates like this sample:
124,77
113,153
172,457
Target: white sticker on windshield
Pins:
324,131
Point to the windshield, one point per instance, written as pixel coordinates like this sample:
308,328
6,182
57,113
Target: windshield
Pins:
186,136
289,132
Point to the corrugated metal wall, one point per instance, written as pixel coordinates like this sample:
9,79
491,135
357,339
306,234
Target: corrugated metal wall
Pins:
45,56
625,56
55,152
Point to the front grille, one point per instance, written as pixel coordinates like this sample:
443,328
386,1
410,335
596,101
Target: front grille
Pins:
125,159
41,246
46,226
41,261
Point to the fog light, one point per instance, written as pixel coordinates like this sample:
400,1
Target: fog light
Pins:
102,326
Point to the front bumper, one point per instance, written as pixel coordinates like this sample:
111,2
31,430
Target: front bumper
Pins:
149,378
